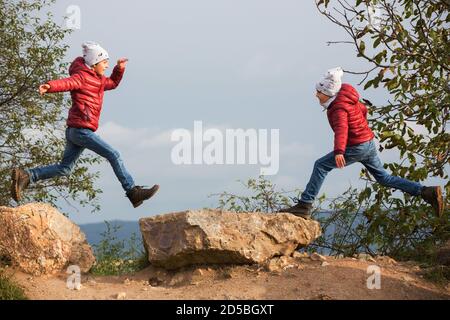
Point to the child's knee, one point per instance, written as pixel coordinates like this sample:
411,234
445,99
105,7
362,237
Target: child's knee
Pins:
116,154
383,179
113,155
322,164
318,163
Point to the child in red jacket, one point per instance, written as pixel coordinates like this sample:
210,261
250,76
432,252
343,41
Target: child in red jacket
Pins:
86,84
353,142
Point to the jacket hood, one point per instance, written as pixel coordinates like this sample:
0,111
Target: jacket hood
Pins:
78,65
347,95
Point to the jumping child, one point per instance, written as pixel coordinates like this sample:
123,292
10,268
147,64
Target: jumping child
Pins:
353,142
86,84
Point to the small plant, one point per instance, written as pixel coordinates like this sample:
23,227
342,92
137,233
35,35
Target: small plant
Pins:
264,197
8,289
115,256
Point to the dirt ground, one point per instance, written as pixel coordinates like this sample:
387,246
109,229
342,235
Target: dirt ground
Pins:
286,280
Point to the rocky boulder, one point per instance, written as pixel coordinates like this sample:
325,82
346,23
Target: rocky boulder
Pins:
210,236
39,240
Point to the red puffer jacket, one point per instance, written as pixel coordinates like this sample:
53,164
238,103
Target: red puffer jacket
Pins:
348,119
87,89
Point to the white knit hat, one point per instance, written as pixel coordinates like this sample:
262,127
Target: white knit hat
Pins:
331,83
93,53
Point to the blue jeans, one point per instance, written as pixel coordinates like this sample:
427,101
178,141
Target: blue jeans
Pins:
366,153
76,141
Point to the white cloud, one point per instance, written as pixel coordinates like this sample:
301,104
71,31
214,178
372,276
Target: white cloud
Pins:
140,138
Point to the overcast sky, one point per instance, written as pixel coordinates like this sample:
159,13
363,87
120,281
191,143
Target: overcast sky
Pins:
248,64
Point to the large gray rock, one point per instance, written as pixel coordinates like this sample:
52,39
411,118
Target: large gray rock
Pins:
39,240
212,236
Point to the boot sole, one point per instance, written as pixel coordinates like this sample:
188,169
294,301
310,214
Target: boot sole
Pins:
15,194
440,202
135,205
297,214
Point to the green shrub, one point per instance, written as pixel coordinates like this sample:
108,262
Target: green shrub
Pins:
116,257
8,289
263,197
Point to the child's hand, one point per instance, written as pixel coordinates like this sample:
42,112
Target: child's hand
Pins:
121,63
43,88
340,161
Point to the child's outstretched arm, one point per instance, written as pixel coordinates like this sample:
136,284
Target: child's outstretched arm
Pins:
113,81
67,84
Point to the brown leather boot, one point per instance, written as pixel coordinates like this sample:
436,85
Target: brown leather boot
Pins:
138,194
301,209
20,181
433,196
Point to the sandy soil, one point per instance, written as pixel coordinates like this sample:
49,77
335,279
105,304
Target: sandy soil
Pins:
300,279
